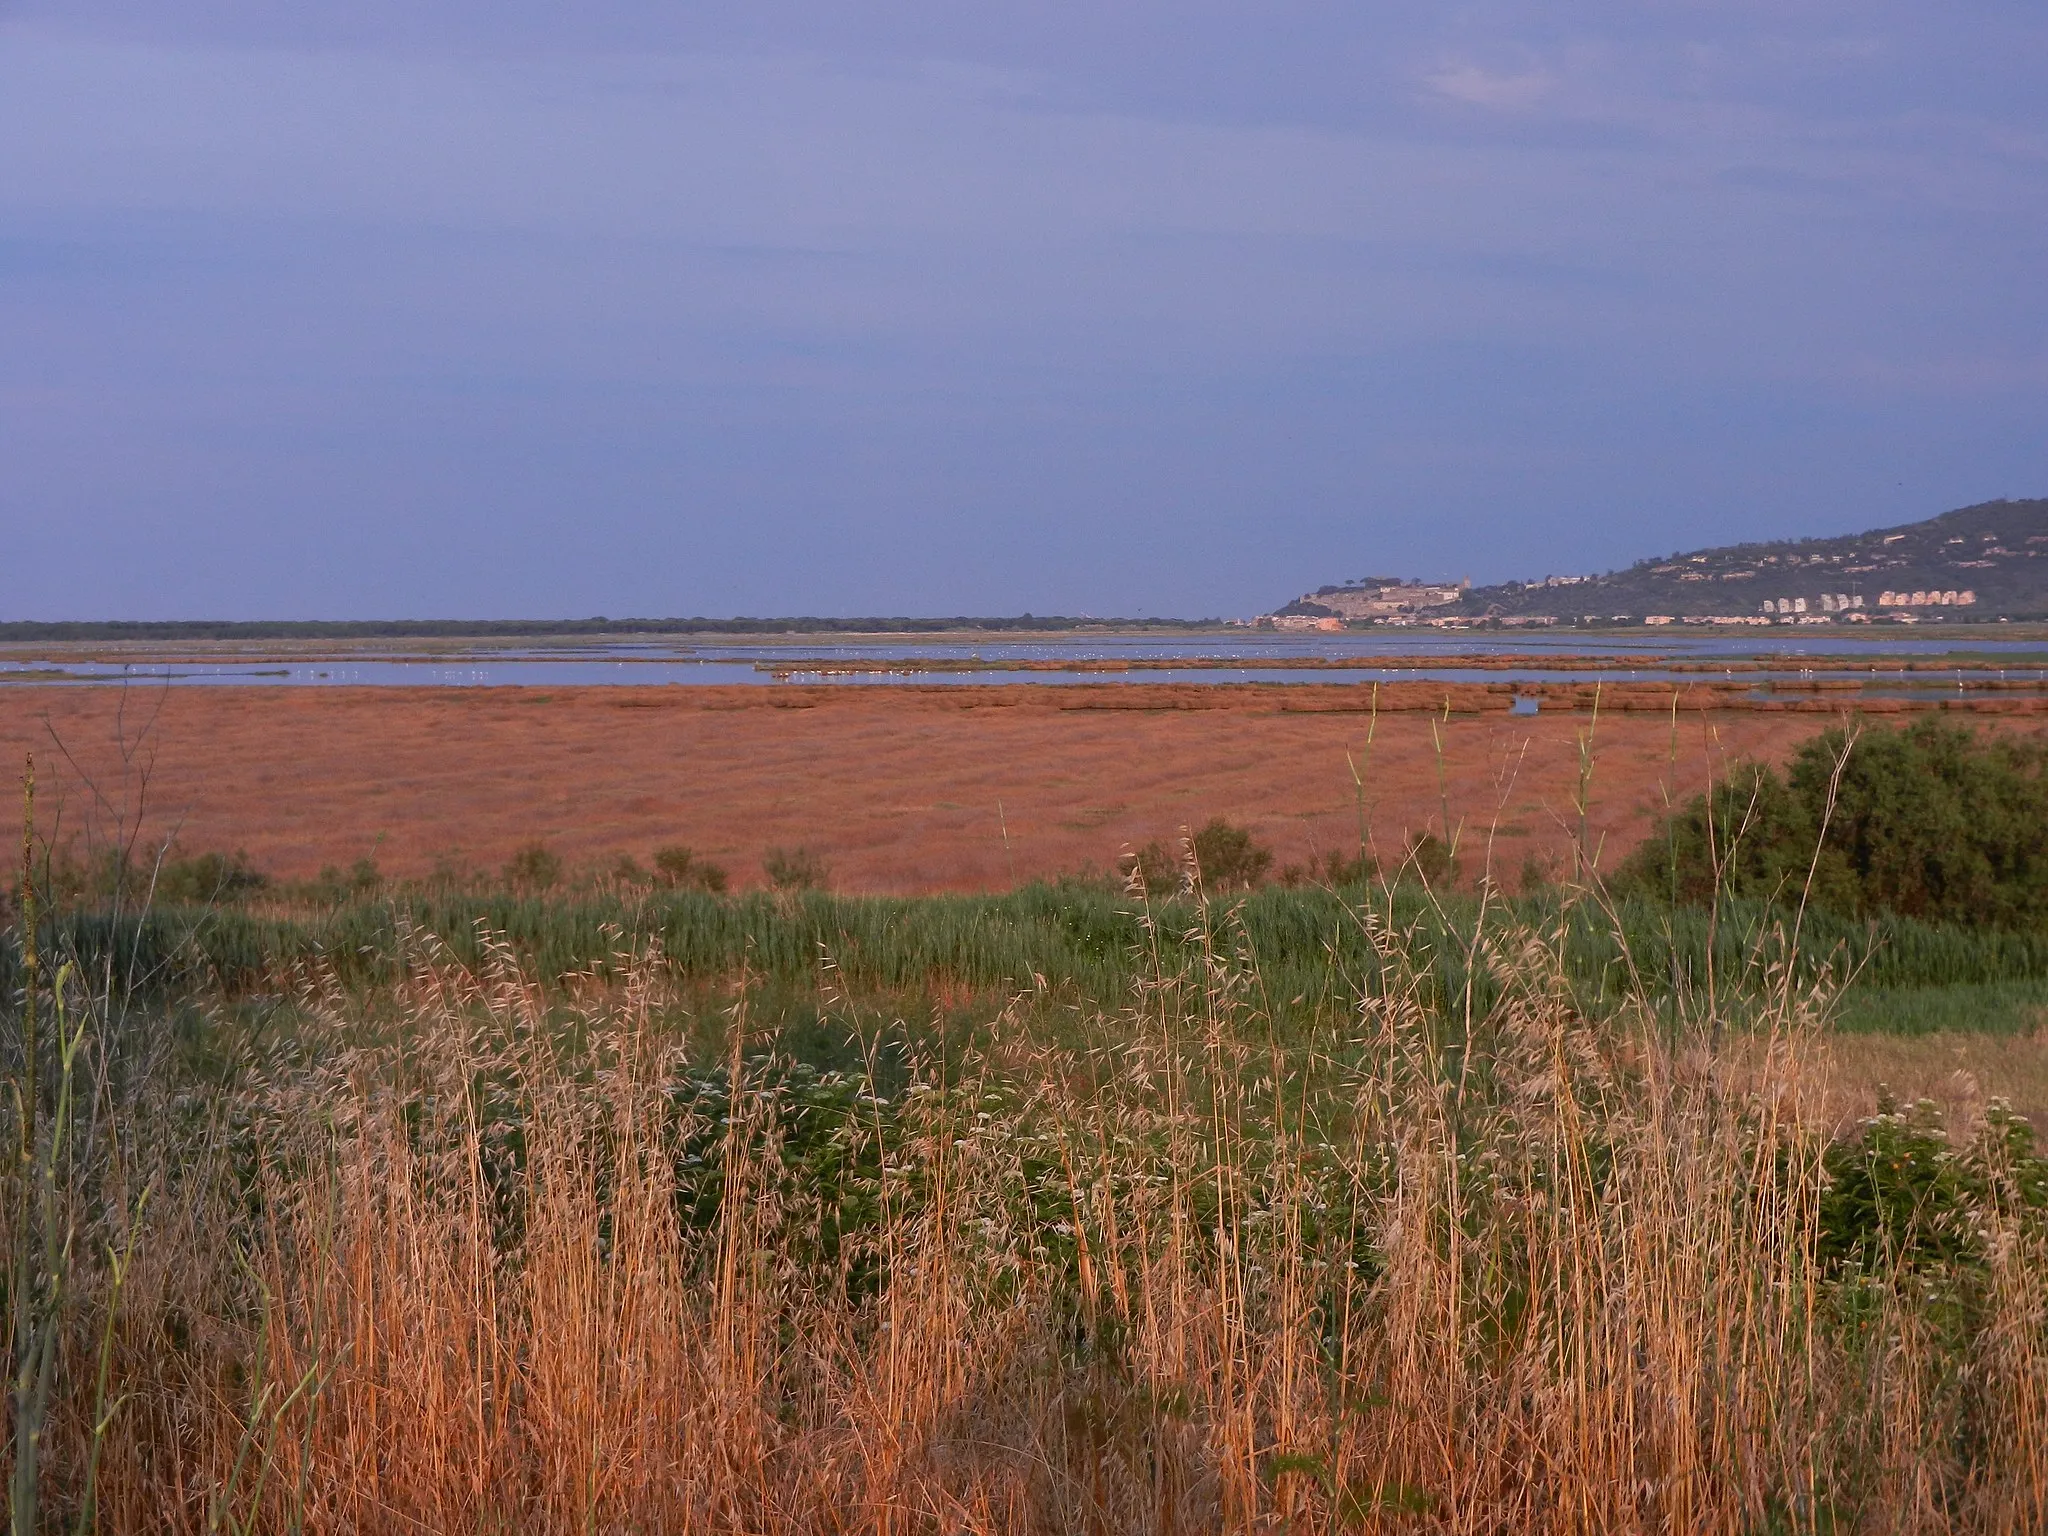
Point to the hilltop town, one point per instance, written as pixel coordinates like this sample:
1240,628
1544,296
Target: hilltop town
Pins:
1988,561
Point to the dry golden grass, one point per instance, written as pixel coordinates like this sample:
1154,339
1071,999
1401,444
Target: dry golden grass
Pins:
1179,1281
1962,1073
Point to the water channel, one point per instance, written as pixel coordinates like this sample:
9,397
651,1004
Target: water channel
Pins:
1461,656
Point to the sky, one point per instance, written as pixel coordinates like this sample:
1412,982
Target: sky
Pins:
557,308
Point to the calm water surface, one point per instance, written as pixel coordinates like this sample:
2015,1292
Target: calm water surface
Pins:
1386,657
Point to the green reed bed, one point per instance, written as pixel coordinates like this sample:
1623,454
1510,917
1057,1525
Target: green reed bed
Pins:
1313,949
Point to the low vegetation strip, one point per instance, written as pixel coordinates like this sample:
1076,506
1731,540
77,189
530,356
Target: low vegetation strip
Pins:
1316,949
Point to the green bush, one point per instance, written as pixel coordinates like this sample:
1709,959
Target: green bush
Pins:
795,869
1228,858
206,878
1932,822
1431,860
679,868
1155,866
1359,868
334,885
533,868
132,875
1335,869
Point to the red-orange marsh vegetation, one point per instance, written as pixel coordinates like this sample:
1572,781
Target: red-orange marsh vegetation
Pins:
899,789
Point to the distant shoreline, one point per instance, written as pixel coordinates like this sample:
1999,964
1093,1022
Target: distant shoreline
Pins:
477,629
117,631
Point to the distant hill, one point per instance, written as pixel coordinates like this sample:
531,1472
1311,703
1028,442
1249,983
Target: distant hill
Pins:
1996,552
1373,597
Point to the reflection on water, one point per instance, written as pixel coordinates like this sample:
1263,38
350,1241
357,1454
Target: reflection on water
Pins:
878,661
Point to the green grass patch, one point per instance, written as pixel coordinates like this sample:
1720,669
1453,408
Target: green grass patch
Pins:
1991,1008
1314,951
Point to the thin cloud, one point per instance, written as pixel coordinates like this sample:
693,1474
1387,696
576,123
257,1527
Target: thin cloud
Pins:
1478,87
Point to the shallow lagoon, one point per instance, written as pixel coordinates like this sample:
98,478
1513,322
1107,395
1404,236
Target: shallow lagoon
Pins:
1356,657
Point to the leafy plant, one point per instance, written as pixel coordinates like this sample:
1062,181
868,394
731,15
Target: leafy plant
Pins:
533,868
1224,857
1932,821
679,868
207,878
795,869
1357,869
1228,857
335,885
1901,1195
1154,868
1431,860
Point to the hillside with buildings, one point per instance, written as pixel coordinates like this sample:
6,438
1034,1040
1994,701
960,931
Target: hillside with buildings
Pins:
1375,597
1988,561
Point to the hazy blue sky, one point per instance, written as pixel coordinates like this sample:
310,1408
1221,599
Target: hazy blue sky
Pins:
562,307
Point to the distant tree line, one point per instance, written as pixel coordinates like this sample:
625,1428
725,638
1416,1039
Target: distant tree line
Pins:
446,629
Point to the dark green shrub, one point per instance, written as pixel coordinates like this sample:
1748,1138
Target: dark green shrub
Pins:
1431,860
334,885
1357,869
795,869
1750,838
1932,822
533,868
679,868
132,876
1228,858
1334,869
1898,1194
208,878
1155,866
1225,858
1903,1200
